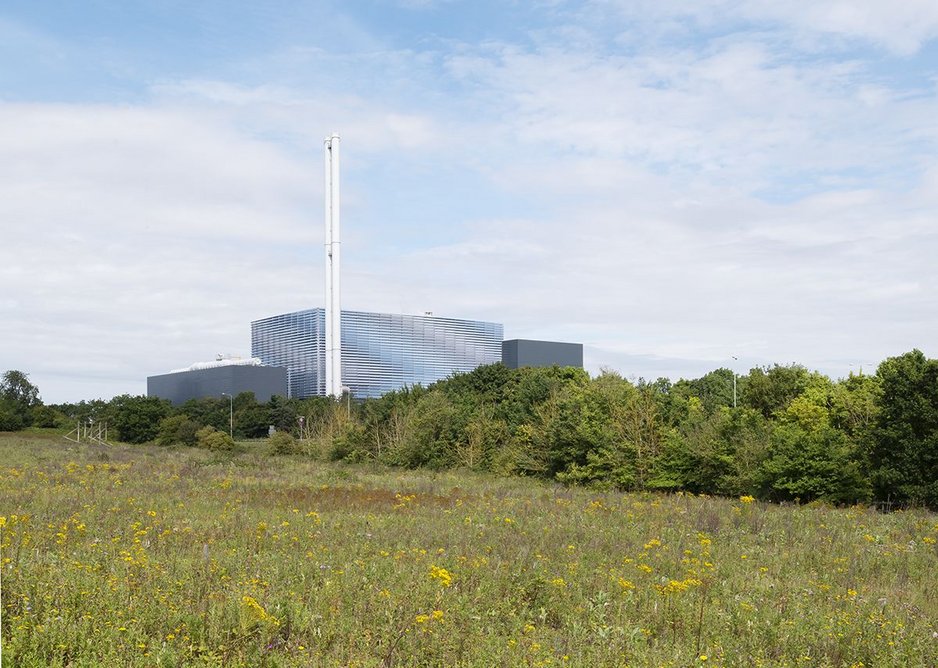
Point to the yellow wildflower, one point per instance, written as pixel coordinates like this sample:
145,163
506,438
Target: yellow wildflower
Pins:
252,613
441,574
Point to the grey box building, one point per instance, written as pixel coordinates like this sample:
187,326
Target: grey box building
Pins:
381,352
214,379
517,353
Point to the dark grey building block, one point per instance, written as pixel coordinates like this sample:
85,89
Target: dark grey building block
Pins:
179,387
517,353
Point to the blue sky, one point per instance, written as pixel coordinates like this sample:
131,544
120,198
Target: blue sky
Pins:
671,183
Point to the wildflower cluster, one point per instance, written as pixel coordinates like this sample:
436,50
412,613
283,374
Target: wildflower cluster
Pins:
443,576
189,561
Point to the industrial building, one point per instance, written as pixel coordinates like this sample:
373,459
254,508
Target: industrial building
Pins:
329,352
380,352
517,353
218,378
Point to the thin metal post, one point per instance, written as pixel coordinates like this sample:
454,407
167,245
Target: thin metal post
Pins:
734,381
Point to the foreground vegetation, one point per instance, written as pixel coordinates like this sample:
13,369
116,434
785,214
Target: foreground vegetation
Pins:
148,555
779,433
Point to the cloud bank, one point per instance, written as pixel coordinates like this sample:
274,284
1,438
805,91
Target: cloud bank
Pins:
670,186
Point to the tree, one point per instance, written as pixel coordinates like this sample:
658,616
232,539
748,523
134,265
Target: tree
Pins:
809,456
805,464
695,455
282,413
714,389
96,409
904,453
47,417
15,386
608,434
178,429
855,404
772,388
137,418
251,421
205,411
17,399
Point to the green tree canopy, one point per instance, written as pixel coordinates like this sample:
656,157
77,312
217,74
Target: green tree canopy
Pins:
771,389
18,397
904,454
137,418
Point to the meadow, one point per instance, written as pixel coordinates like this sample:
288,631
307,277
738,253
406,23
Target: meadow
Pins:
169,556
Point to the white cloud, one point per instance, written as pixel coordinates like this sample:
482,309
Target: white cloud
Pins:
737,114
668,205
902,27
133,237
301,116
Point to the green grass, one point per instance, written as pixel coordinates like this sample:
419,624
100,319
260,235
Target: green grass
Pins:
142,556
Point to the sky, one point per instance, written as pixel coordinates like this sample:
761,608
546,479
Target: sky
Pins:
679,186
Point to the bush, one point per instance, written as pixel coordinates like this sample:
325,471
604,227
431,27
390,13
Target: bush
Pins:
178,429
283,443
11,417
212,439
47,417
350,444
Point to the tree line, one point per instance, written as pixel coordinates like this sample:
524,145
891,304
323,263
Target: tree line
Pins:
792,434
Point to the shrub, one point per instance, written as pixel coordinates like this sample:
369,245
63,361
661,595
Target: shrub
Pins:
350,443
178,429
48,417
11,418
283,443
212,439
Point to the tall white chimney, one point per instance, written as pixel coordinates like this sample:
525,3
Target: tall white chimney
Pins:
333,245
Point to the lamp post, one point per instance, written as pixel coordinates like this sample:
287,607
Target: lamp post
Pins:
734,382
230,414
860,366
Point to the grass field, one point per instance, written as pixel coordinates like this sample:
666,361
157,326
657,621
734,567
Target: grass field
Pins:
143,556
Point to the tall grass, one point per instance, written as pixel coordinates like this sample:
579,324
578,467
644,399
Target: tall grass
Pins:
142,556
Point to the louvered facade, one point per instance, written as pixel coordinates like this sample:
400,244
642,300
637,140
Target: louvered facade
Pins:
380,351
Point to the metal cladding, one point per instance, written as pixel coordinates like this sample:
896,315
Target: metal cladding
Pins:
197,382
381,352
333,324
518,353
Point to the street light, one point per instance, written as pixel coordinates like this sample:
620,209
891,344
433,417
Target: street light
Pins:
734,381
860,364
230,414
